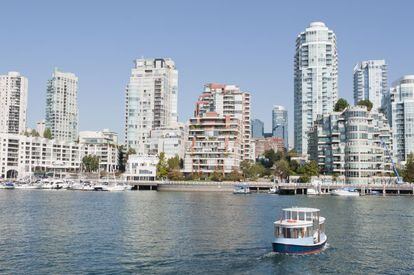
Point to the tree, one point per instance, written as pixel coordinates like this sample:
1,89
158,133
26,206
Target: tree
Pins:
245,166
174,163
175,175
311,168
47,133
366,103
233,176
34,133
90,162
340,105
271,156
282,169
256,171
408,172
217,175
294,165
251,170
162,166
304,179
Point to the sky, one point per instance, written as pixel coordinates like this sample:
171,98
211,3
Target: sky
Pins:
247,43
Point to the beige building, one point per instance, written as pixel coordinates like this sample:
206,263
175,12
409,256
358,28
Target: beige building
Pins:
214,144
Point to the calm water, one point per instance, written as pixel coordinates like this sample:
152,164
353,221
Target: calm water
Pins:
149,232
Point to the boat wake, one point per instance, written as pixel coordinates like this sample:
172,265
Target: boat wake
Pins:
271,254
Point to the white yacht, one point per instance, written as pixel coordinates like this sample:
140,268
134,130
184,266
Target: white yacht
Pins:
312,191
7,185
241,189
345,192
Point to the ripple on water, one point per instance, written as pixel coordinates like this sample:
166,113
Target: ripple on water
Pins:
150,232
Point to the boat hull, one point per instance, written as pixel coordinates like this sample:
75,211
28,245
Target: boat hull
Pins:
297,249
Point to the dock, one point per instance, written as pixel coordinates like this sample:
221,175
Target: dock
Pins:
284,188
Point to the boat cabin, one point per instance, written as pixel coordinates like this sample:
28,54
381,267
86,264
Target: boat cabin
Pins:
299,223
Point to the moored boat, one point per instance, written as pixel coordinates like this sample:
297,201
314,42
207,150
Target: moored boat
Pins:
345,192
8,185
241,189
273,190
312,191
299,231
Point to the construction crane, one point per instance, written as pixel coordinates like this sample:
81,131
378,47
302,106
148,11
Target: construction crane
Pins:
399,179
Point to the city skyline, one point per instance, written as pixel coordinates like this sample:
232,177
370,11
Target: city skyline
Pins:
274,52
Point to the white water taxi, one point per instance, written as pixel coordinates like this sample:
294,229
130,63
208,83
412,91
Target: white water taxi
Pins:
299,231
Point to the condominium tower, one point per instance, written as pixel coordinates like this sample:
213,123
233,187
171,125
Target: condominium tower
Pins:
355,145
280,124
13,100
398,104
219,133
151,101
315,79
228,100
257,128
370,81
62,106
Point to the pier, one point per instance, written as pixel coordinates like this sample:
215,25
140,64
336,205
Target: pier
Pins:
284,188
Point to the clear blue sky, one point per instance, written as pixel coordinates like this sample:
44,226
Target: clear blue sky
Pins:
248,43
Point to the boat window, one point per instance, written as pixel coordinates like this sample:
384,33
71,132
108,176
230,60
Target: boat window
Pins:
278,232
308,231
302,232
294,215
322,227
287,233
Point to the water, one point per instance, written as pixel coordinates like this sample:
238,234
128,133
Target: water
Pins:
160,232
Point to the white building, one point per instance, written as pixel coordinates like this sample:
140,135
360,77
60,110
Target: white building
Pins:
370,81
353,145
21,156
141,168
104,145
62,106
399,107
151,100
228,100
13,100
170,140
41,127
315,79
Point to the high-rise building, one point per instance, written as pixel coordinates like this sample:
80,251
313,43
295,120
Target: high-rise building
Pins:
353,145
370,81
214,144
13,100
280,124
62,106
257,128
151,101
228,100
315,79
398,105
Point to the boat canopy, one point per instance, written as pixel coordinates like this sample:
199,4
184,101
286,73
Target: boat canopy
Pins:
301,214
